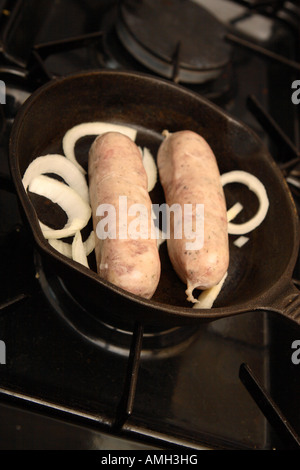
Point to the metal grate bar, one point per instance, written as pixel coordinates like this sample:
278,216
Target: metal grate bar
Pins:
56,47
263,52
125,407
273,129
269,408
9,303
52,410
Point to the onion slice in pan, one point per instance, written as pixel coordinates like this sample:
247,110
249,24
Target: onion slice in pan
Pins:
78,250
207,298
78,211
255,185
89,129
62,247
241,241
150,168
234,211
61,166
89,243
65,248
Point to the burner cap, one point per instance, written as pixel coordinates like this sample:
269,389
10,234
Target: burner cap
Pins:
177,39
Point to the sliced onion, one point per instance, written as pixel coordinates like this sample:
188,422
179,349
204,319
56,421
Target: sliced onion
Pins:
65,248
234,211
62,247
61,166
255,185
78,250
208,297
89,244
91,128
77,210
241,241
150,168
68,231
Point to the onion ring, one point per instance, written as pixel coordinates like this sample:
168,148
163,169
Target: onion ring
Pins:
61,166
91,128
255,185
77,210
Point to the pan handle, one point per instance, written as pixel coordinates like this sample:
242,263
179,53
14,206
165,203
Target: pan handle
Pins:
286,302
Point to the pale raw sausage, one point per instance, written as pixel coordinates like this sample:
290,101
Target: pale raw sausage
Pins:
118,179
189,174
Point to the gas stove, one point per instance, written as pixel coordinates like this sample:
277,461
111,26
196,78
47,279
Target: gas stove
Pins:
68,384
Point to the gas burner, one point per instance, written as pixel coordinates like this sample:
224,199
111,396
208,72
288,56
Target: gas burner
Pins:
157,343
175,39
113,53
219,386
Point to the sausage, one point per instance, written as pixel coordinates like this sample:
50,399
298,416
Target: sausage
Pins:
115,170
189,174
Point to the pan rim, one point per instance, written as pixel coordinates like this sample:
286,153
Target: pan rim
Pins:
186,312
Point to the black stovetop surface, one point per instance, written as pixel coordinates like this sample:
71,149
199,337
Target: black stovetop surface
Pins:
63,388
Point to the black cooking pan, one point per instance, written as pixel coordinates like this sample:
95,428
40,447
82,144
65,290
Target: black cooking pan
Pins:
260,273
